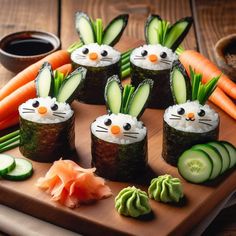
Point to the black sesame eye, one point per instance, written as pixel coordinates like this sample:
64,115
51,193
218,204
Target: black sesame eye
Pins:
54,107
104,53
163,55
127,126
201,113
85,50
181,111
107,122
35,104
144,53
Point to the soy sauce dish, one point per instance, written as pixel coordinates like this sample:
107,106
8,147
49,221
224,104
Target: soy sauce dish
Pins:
20,49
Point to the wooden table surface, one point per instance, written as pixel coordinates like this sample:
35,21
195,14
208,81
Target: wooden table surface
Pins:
212,20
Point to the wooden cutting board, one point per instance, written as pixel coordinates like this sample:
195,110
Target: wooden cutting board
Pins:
101,218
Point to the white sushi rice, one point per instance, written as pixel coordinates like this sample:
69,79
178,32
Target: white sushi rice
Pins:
137,127
202,124
28,112
157,49
112,57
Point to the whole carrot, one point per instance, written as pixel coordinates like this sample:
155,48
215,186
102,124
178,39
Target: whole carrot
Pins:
56,59
220,99
10,104
11,120
208,69
65,69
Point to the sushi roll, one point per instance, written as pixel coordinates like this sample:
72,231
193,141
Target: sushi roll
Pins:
185,125
101,62
119,139
47,123
97,54
46,129
188,122
154,60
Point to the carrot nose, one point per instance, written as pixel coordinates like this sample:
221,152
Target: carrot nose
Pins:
190,115
152,58
93,56
42,110
115,129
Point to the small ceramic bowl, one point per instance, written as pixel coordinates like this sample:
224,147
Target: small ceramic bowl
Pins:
16,62
225,52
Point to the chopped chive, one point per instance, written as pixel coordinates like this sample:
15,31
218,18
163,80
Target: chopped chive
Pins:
125,66
125,60
9,141
9,147
9,136
74,46
125,73
127,53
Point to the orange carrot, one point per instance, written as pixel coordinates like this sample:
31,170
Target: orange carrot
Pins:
220,99
10,104
11,120
56,59
65,69
209,70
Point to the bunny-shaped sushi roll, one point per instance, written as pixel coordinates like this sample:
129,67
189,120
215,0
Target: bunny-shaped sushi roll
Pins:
154,60
119,139
47,122
97,54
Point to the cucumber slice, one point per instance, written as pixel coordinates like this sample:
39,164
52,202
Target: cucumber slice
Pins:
114,30
152,24
232,152
44,81
139,99
195,166
113,94
177,32
224,154
215,157
22,170
71,85
180,83
7,163
84,27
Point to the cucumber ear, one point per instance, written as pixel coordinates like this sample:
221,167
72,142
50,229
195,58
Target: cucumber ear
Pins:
44,81
113,94
177,32
150,29
84,27
180,83
114,30
140,97
71,85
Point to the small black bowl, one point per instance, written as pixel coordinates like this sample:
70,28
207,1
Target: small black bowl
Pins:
15,62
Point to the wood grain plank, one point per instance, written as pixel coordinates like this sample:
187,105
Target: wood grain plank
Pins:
213,20
137,9
26,15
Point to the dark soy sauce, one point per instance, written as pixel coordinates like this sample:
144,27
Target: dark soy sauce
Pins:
28,46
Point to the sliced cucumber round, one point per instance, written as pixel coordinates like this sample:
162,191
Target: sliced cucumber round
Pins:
232,152
224,154
215,157
195,166
7,163
23,170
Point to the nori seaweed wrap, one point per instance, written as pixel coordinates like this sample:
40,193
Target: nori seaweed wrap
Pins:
101,62
185,125
154,62
46,130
